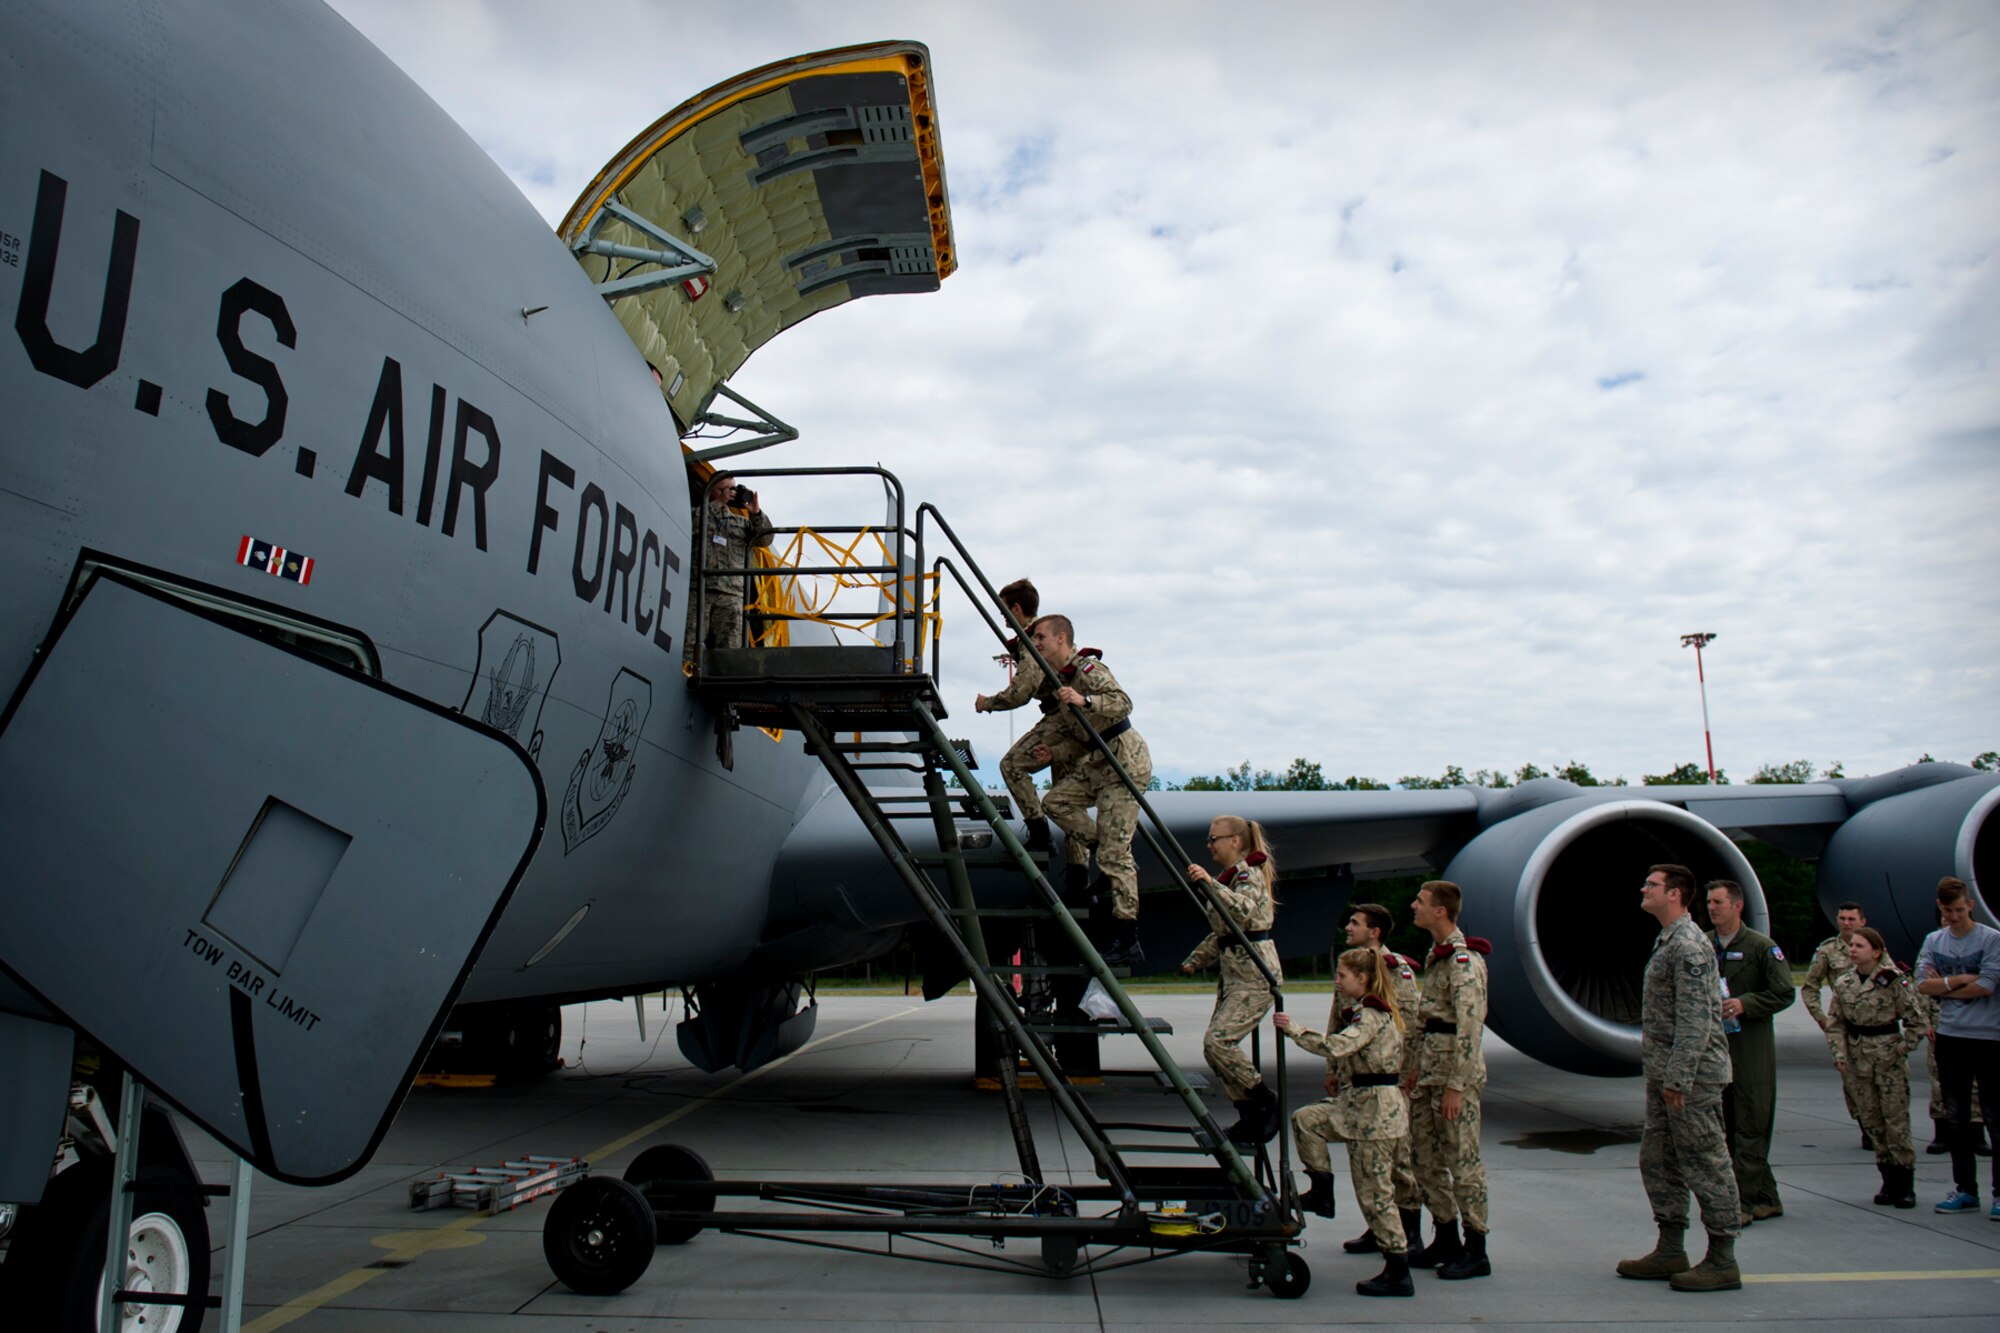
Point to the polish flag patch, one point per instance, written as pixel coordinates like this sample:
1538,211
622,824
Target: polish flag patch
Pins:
275,559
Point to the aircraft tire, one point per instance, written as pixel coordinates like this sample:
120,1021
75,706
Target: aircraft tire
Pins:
55,1267
599,1236
670,1177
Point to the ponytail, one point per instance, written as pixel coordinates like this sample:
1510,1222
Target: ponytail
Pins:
1370,963
1254,841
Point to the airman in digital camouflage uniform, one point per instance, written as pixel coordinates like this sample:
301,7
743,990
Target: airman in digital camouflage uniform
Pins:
1088,685
1363,1109
1451,1075
1829,960
1368,927
1760,986
1243,996
1875,1020
732,533
1685,1057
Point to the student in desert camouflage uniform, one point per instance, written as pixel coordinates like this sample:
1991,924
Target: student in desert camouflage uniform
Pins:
1451,1075
1019,765
1088,685
1364,1109
1685,1057
1243,996
1829,960
1368,927
1875,1020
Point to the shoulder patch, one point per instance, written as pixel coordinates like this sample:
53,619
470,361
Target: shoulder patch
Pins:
1694,967
1777,953
1089,667
1461,958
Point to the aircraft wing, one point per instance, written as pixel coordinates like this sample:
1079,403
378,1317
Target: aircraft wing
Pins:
1550,873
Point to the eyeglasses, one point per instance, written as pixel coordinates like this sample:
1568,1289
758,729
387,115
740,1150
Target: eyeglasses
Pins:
1213,839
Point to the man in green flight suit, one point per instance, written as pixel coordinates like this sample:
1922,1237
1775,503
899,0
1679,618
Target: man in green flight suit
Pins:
1759,984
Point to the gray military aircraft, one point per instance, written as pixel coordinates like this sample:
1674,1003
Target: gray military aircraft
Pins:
346,546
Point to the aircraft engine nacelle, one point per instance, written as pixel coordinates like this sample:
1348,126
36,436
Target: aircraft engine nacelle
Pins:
1557,889
1890,853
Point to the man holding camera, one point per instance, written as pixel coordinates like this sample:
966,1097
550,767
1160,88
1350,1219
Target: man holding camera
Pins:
735,523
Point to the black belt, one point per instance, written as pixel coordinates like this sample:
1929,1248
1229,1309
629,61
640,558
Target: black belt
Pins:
1116,729
1375,1080
1254,936
1444,1025
1873,1029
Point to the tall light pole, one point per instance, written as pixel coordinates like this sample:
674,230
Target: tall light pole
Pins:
1698,642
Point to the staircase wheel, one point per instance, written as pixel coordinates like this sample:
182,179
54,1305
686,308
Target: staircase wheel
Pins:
1288,1277
598,1237
671,1178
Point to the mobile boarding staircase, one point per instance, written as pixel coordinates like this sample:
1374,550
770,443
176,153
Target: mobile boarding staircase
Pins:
871,708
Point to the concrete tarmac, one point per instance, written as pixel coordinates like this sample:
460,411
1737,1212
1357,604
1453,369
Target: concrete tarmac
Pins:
884,1093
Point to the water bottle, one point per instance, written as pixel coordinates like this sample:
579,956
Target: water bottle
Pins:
1729,1025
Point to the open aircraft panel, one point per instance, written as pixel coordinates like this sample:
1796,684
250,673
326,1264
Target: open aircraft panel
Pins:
810,183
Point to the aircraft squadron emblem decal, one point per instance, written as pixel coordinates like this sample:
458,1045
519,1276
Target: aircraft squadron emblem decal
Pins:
517,663
602,777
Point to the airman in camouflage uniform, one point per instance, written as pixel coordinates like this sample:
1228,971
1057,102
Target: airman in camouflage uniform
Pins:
1875,1021
1243,996
1088,685
1365,1111
1829,960
1368,926
1685,1057
1760,987
1451,1075
732,533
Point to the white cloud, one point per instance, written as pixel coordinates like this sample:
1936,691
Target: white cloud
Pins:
1279,350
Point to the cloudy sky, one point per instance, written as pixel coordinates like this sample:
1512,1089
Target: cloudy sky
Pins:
1392,386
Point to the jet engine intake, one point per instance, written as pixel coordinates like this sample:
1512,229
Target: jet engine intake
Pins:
1891,852
1557,889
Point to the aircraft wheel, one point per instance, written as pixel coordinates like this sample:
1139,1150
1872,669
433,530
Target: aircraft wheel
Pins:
671,1177
55,1269
599,1236
1288,1277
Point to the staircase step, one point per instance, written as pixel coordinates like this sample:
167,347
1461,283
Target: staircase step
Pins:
1145,1080
1158,1026
1051,970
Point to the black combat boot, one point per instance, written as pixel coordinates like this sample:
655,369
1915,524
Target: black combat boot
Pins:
1444,1247
1318,1200
1246,1115
1940,1138
1038,839
1362,1244
1076,883
1903,1187
1393,1280
1121,942
1471,1263
1273,1116
1413,1227
1888,1190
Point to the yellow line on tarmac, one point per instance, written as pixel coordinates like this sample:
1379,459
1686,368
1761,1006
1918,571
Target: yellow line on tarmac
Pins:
409,1248
1887,1275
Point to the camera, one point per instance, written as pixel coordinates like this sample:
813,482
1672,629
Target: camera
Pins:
741,497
